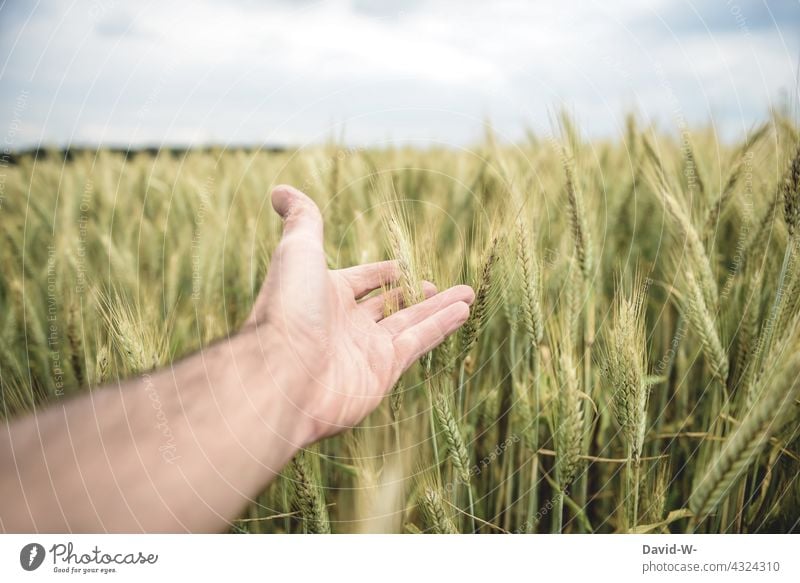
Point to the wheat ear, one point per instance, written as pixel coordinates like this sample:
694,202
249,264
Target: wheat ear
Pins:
480,307
75,344
531,287
624,367
741,448
308,497
568,410
456,447
683,223
705,327
739,156
577,218
101,366
790,193
434,512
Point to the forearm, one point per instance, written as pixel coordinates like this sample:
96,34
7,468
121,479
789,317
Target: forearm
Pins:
182,449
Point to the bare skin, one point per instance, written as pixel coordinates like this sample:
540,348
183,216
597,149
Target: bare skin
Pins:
187,447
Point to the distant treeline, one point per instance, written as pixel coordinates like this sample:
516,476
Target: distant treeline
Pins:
68,154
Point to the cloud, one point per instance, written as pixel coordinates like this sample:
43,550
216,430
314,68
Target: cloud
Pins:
714,17
100,71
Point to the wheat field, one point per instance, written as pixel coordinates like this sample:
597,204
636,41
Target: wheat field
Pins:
631,360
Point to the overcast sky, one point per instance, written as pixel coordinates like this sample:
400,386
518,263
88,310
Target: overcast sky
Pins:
293,73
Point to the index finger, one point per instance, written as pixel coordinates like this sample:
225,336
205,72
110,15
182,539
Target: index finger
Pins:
370,276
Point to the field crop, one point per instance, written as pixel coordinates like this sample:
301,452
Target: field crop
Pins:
631,360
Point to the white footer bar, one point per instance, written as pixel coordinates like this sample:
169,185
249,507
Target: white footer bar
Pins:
406,558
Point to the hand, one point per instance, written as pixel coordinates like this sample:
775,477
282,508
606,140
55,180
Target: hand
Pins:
346,355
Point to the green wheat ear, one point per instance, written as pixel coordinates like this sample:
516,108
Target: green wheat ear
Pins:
790,192
433,509
741,448
484,297
567,409
308,496
624,366
531,274
456,446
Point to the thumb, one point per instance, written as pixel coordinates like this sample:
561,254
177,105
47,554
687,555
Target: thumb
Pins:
298,263
301,217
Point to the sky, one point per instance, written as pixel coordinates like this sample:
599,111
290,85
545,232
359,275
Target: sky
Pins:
294,73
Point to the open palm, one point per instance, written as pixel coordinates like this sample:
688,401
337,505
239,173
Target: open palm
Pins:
350,355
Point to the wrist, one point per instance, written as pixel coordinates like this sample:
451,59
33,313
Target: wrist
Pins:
274,386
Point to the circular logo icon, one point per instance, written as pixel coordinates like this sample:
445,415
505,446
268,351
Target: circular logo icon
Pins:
31,556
